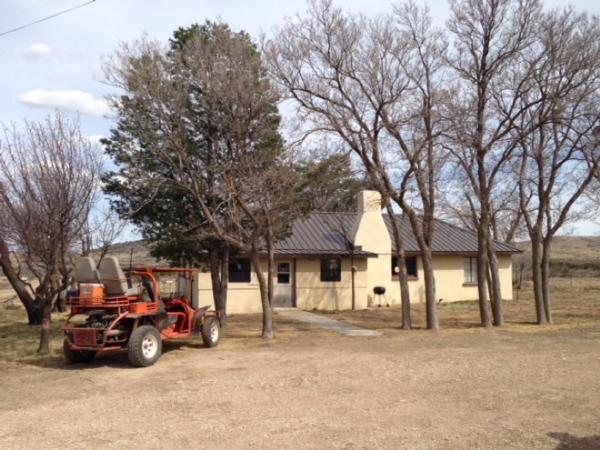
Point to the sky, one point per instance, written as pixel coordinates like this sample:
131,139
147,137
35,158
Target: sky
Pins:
57,64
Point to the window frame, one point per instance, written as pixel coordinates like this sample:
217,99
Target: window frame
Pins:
240,276
413,259
470,270
329,275
284,273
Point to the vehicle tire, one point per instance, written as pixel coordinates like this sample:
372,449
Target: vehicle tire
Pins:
145,346
77,356
211,332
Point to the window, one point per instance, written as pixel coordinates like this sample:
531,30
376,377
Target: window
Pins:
239,270
283,273
470,270
411,266
331,269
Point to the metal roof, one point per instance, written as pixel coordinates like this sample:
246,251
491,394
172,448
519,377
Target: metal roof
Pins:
447,238
323,233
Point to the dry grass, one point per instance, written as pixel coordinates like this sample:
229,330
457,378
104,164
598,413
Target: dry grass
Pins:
571,256
19,341
575,304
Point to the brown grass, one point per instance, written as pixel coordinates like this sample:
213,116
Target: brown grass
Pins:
571,256
575,305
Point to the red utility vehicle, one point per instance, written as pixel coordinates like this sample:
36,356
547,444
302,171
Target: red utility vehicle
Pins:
110,311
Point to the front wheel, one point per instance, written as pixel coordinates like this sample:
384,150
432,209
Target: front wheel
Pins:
77,356
145,346
211,332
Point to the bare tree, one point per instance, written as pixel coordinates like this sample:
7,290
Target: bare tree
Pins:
491,41
559,155
506,217
107,227
49,177
375,85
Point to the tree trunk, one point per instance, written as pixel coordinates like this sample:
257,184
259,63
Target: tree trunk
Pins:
545,281
353,281
33,308
402,277
267,330
45,330
60,305
496,297
536,272
222,309
482,269
270,266
219,274
430,302
489,286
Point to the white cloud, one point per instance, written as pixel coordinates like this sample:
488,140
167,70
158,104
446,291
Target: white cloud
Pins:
37,51
78,101
95,138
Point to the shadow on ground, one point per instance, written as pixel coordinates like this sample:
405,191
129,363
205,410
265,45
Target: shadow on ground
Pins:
568,441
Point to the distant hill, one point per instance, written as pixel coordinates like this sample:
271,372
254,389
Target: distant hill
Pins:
140,257
577,256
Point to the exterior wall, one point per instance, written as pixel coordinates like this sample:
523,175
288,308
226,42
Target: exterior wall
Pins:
311,292
449,281
372,235
242,298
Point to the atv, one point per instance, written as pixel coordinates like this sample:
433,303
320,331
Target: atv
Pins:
111,311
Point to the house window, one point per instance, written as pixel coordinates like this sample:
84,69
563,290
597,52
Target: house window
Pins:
239,270
470,270
411,266
283,273
331,269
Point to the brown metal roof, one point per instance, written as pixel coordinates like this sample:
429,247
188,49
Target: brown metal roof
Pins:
321,234
447,238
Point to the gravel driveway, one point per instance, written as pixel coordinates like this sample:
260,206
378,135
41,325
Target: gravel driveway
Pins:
315,389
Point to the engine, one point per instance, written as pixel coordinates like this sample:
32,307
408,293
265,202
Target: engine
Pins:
99,321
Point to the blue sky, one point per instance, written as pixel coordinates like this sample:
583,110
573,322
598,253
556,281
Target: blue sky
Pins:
57,64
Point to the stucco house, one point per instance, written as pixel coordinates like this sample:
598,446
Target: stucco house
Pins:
314,264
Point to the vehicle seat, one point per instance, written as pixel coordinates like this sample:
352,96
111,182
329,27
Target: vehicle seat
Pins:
114,279
85,270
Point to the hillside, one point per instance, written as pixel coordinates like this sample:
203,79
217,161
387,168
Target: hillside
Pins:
577,256
140,257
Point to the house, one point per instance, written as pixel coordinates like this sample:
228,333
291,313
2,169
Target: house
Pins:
314,264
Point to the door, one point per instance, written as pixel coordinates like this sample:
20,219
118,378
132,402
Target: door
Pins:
282,295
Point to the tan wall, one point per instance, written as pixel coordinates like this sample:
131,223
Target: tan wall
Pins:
311,292
449,281
242,298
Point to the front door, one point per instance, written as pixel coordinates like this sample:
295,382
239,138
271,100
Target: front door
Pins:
282,295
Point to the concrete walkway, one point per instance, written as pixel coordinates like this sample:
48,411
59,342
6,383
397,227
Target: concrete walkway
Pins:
325,322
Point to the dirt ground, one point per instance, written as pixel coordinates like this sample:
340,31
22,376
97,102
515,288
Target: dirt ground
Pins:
522,386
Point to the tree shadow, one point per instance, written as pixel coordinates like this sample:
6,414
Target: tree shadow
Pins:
567,441
113,359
